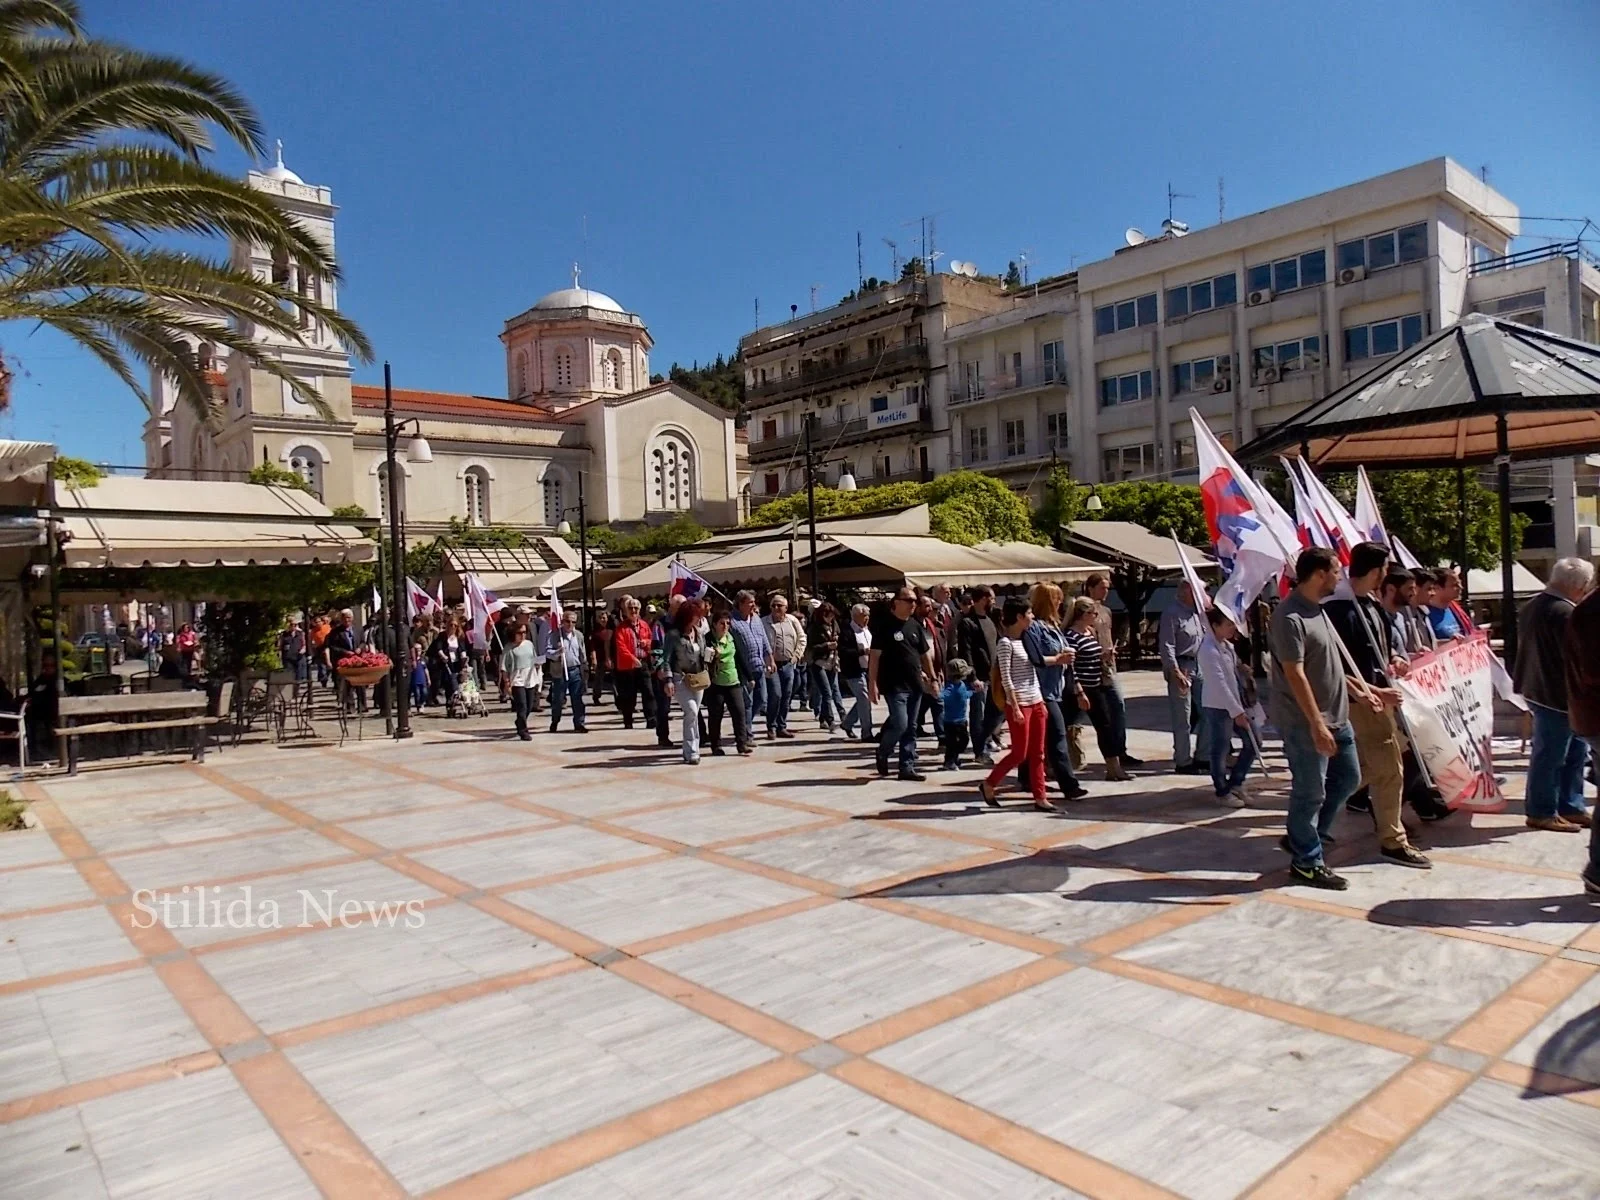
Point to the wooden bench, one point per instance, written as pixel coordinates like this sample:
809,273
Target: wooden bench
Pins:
82,716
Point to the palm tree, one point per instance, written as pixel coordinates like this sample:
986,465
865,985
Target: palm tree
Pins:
102,168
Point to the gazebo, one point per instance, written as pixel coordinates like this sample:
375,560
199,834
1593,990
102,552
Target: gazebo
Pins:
1482,391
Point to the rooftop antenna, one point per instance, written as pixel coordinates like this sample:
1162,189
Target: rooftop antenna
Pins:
1172,195
1221,202
894,258
861,278
1022,261
758,312
814,288
585,237
1483,171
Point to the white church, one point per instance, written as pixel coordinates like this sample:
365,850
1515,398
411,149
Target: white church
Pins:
578,404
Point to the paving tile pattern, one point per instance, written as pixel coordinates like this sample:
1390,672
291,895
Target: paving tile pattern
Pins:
571,968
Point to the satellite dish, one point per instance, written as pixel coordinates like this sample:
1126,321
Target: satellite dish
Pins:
1134,236
955,266
969,269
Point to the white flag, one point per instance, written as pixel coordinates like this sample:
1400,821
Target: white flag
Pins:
483,605
1368,519
1202,600
1407,559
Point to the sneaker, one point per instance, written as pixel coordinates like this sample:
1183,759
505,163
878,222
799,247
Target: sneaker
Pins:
1077,793
1231,800
1129,760
949,767
912,777
580,729
1318,876
785,734
746,750
1358,806
883,770
1192,768
1431,808
986,760
1591,880
1244,793
718,752
1407,856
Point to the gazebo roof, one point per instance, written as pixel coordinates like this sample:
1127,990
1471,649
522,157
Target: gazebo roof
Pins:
1438,404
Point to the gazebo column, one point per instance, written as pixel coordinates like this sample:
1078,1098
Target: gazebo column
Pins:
1502,467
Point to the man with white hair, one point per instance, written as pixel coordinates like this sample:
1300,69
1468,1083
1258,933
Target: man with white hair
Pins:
1559,758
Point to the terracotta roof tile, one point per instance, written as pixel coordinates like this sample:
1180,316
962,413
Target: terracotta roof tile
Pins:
448,404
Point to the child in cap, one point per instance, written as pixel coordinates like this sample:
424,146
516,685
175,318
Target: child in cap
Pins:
956,697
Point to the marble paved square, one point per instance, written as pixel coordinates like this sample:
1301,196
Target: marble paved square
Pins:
636,994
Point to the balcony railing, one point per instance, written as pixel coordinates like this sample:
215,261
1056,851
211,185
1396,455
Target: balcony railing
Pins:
1028,455
768,337
964,391
1536,254
820,375
828,437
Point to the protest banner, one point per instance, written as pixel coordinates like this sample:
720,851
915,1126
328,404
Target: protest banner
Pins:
1449,712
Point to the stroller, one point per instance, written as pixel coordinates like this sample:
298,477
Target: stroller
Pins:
468,700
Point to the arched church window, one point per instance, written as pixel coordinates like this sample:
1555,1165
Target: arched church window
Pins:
669,472
563,367
305,462
612,371
554,500
476,482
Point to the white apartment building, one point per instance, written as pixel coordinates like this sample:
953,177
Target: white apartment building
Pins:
1248,321
872,369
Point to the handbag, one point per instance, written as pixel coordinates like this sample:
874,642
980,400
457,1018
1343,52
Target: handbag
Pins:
697,681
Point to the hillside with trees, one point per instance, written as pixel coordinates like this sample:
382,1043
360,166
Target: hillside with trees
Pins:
720,381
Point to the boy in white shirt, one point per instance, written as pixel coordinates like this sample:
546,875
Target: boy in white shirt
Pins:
1224,711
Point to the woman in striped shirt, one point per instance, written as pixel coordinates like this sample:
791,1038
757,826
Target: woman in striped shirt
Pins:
1024,705
1089,666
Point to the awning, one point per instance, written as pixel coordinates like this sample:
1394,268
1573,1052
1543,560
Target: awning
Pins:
653,580
1485,584
1133,544
926,561
18,459
129,523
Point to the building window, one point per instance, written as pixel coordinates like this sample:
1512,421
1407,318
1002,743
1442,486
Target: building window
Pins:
972,376
522,373
876,346
563,367
878,404
978,444
769,429
1289,274
769,483
1201,374
914,396
1387,249
307,463
475,482
669,473
1130,462
1217,292
1183,455
554,500
1055,431
1125,389
1053,357
1016,438
1525,308
882,467
1382,338
1302,354
1129,314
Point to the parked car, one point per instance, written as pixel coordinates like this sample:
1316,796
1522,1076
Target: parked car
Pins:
107,646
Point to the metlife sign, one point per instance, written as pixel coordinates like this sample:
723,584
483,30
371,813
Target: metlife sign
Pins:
890,417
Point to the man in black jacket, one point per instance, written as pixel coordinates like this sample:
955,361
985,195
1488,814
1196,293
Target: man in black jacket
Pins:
1558,758
1364,628
976,636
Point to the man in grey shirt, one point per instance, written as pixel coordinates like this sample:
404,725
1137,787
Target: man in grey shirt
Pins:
1179,643
1311,708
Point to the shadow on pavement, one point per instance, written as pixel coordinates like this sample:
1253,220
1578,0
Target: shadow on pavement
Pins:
1570,1061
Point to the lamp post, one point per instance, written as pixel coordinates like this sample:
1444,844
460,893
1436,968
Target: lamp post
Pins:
564,528
417,451
811,505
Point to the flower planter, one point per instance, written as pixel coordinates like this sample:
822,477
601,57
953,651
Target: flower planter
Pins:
362,676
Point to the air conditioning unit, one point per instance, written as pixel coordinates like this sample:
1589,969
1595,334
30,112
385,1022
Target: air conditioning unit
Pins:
1268,375
1260,296
1221,383
825,402
1352,275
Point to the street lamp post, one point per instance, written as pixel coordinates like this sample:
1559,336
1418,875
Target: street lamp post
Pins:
811,504
564,528
417,451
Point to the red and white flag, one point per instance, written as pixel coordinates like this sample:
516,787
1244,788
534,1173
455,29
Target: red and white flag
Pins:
419,601
681,581
482,607
1254,537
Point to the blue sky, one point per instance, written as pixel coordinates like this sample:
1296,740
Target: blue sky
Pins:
722,152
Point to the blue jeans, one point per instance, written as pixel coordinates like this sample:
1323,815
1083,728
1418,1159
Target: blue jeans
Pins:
560,690
1556,765
1186,713
899,728
1318,787
780,691
862,712
826,700
755,698
1219,738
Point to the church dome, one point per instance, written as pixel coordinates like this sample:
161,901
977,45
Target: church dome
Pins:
576,297
282,173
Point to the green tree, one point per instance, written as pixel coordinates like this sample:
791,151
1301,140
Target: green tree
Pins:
427,558
272,475
721,381
1162,508
963,507
76,472
653,540
104,157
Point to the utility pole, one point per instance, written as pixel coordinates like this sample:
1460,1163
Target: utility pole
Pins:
399,689
811,502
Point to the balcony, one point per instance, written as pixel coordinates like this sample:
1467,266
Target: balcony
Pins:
821,376
770,337
831,437
1536,254
1031,455
1012,383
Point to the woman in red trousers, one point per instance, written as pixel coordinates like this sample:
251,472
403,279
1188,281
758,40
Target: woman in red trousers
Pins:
1018,687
